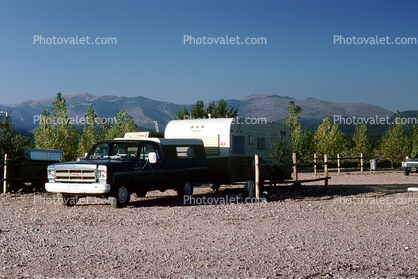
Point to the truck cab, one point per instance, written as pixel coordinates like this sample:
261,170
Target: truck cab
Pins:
115,169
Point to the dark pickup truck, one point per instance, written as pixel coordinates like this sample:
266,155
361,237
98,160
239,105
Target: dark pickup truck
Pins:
410,165
115,169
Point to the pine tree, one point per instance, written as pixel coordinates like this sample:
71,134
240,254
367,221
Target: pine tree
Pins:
215,110
182,114
198,110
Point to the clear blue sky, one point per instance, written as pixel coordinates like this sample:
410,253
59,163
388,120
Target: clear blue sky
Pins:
150,59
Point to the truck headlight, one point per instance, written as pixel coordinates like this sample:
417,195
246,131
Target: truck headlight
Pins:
51,175
102,174
404,164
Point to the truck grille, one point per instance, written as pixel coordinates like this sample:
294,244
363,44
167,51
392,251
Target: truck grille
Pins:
75,175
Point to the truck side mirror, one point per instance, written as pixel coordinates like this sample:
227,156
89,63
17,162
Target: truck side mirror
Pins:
152,157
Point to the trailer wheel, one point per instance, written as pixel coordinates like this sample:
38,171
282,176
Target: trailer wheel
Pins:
186,189
122,197
67,200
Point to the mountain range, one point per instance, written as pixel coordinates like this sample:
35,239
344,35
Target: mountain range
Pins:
145,111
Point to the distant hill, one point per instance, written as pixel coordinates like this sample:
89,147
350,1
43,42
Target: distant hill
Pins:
145,111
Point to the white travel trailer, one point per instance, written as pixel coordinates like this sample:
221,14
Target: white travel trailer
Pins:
230,144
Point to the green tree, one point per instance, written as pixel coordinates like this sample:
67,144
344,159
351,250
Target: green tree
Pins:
11,141
394,144
293,118
122,124
216,110
88,136
301,139
182,114
361,142
327,139
55,130
279,149
302,143
414,140
222,111
198,110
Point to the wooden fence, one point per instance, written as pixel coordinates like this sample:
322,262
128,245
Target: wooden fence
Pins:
295,166
338,159
5,174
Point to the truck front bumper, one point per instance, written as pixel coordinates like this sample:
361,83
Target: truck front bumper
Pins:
75,188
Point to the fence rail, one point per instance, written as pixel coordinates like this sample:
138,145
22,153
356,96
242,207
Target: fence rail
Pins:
338,158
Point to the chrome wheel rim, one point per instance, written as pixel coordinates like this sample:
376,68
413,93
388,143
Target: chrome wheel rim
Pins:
122,194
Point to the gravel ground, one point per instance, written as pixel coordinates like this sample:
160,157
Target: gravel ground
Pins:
363,227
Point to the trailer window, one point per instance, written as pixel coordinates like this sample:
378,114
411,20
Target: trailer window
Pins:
238,144
185,152
250,140
261,143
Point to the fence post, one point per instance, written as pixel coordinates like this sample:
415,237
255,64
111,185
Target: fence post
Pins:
295,168
338,163
314,166
257,178
326,171
5,174
361,162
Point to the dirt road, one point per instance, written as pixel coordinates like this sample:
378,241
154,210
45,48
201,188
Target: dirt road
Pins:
363,227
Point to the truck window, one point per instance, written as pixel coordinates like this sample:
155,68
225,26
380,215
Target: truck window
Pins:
115,150
146,148
185,152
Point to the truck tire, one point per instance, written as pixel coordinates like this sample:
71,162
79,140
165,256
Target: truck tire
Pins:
186,189
405,172
215,186
121,198
67,200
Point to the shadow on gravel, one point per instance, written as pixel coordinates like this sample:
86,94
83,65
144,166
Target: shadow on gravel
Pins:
303,191
224,195
235,195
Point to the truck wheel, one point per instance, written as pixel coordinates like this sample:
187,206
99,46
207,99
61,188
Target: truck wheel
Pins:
405,172
67,200
122,197
215,186
186,189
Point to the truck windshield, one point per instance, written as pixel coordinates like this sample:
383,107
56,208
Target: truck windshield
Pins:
114,150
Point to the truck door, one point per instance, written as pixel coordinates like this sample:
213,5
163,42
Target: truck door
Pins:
152,175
